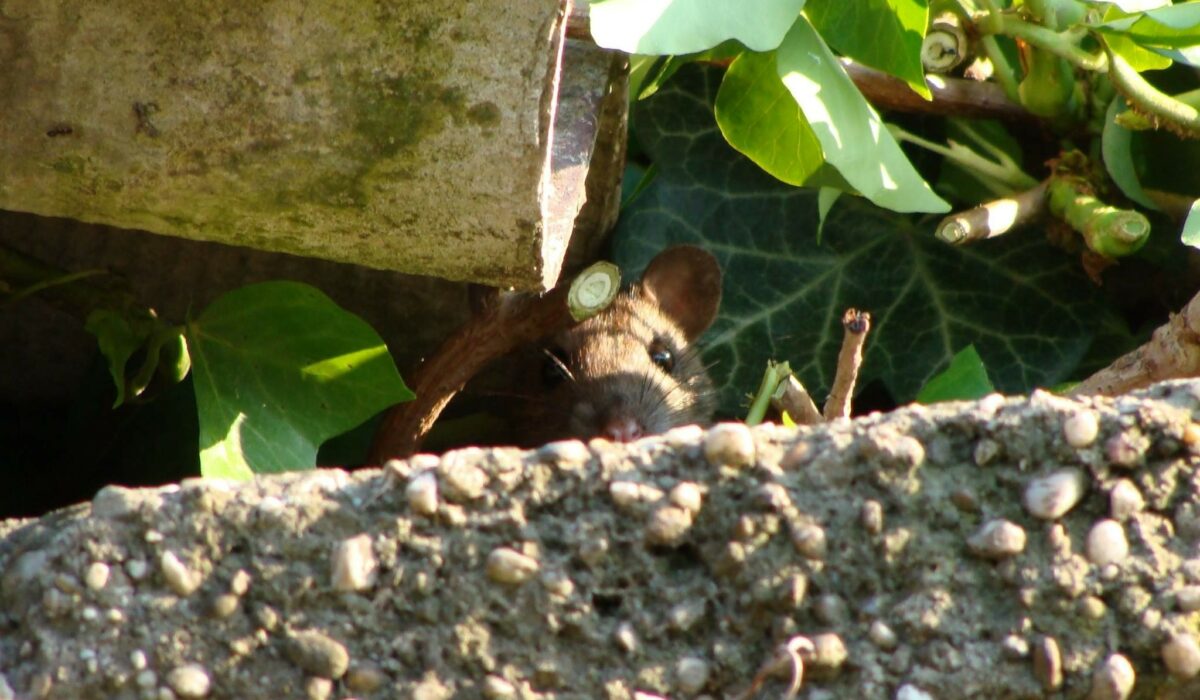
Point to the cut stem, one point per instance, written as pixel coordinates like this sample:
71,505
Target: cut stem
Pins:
855,325
792,398
993,218
1107,230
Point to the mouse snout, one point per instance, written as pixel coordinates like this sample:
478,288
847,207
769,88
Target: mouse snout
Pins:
621,428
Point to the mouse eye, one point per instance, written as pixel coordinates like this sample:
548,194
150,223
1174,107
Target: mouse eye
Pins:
662,356
554,369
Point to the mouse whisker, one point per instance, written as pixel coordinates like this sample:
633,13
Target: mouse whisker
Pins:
561,365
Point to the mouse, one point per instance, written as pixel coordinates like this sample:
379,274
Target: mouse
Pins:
634,369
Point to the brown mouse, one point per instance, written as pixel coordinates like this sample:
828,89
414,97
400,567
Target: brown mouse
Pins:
633,369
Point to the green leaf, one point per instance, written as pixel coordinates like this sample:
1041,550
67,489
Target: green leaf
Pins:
1117,146
1024,304
1141,59
759,118
1172,26
278,369
118,340
965,379
687,26
1191,226
853,137
826,197
884,34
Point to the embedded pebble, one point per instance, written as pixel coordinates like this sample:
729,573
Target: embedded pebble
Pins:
895,451
1113,680
422,493
682,616
985,451
365,678
1181,655
96,576
1126,449
1106,543
625,637
809,540
189,681
829,651
179,577
316,688
224,605
114,502
1081,429
965,500
997,539
564,451
668,525
871,516
882,636
496,688
1047,663
912,692
1188,598
318,654
505,565
137,569
1014,646
1125,500
1051,496
687,495
146,679
629,495
137,659
6,691
354,566
691,674
239,584
462,480
592,551
729,444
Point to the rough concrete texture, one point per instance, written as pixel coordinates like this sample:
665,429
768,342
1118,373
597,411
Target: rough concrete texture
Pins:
1008,548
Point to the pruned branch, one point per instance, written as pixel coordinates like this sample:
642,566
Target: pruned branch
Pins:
993,218
492,333
792,398
1172,352
855,324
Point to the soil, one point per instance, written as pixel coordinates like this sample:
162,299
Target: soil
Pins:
902,555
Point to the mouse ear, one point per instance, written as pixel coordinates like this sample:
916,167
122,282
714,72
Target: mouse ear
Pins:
686,283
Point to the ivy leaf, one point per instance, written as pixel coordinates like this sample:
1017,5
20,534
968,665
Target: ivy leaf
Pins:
118,340
279,368
758,117
965,379
1191,226
1117,146
853,137
883,34
1023,303
687,26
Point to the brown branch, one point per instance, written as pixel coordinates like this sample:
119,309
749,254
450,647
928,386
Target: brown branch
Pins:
493,332
792,398
1173,351
855,324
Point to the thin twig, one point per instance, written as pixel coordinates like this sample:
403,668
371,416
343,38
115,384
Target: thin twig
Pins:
855,324
792,398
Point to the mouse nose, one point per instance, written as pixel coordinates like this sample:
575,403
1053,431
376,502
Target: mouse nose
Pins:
621,429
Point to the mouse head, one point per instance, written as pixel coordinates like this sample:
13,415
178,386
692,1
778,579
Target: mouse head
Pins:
634,368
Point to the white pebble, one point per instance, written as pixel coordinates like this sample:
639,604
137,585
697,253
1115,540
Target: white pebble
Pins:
628,495
137,659
506,565
691,674
189,681
1081,429
422,493
146,679
496,688
564,451
1106,543
96,576
882,636
1125,500
625,637
1188,598
998,539
871,516
239,583
809,540
668,525
1114,679
912,692
462,480
687,495
181,579
354,564
1047,664
6,691
137,569
1051,496
1181,655
829,651
317,688
729,444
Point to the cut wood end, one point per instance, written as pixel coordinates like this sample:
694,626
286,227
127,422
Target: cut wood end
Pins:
593,290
